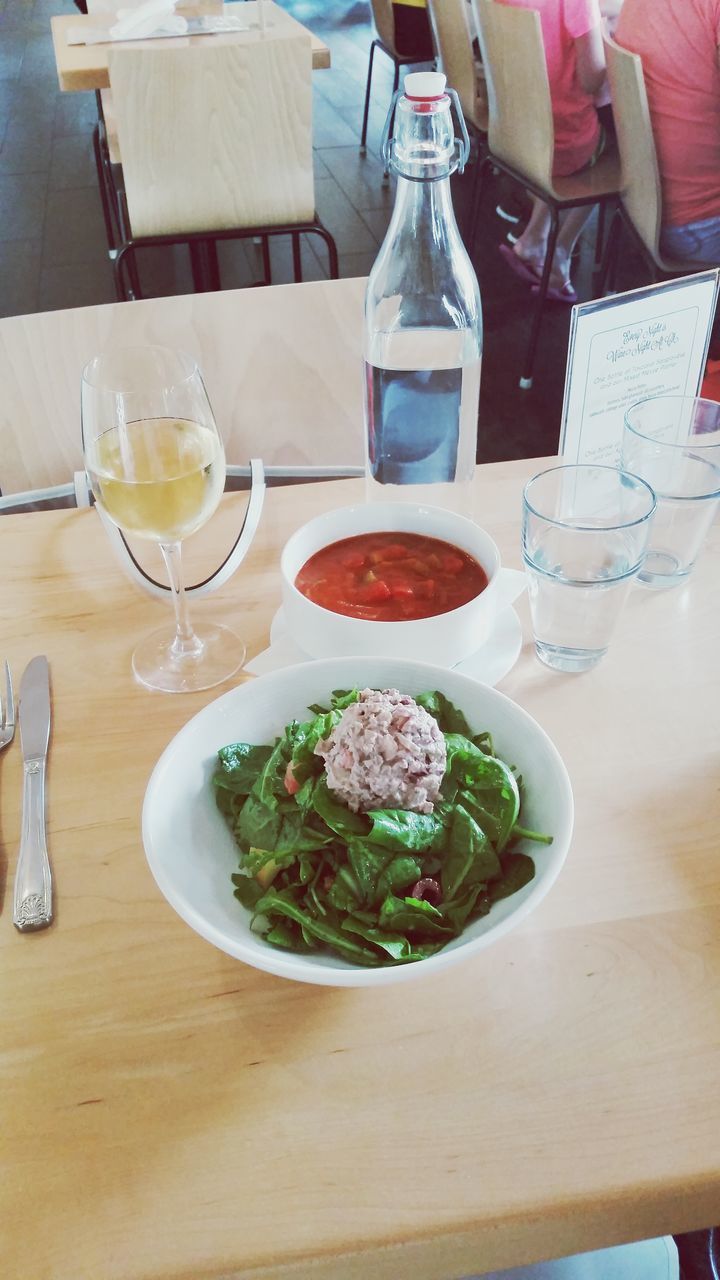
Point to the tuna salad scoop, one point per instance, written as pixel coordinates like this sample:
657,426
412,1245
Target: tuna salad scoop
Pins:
385,753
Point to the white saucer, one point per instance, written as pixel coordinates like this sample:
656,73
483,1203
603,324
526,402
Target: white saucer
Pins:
488,665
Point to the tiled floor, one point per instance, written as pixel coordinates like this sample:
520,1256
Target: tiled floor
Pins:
52,242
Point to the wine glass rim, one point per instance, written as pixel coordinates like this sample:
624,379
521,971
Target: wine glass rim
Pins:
185,359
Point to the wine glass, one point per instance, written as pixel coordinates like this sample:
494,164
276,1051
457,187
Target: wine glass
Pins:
156,464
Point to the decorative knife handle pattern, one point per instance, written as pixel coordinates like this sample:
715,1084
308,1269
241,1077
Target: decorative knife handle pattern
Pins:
33,882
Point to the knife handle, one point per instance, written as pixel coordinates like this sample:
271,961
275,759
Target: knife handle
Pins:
33,882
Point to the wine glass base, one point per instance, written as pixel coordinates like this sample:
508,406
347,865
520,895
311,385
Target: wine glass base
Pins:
156,666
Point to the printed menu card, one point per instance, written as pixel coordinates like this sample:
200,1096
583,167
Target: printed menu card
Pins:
628,347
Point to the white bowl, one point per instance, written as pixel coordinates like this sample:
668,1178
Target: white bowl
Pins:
446,639
192,854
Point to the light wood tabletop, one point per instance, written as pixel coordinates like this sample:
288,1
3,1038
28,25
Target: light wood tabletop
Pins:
85,66
168,1112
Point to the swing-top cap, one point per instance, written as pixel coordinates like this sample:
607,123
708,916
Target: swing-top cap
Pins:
425,86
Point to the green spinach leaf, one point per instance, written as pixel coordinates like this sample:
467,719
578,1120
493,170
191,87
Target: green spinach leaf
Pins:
441,708
239,766
517,871
402,829
469,857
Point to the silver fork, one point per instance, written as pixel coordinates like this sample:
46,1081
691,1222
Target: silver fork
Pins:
7,711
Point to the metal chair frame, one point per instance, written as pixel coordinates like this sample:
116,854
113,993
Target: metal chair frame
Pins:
556,207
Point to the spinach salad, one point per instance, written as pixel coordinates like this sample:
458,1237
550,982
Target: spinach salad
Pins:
388,886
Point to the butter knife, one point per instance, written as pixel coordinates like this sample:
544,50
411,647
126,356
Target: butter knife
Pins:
33,883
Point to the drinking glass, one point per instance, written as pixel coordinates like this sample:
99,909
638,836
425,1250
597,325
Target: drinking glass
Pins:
584,534
673,442
156,464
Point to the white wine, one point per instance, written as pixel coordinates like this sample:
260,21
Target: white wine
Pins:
159,478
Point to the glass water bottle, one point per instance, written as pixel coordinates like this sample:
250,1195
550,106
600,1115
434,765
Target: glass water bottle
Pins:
423,319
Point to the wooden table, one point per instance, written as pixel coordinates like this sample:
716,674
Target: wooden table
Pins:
84,66
168,1112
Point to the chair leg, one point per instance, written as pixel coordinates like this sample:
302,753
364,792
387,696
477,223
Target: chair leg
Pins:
526,380
477,194
134,275
297,257
213,265
267,265
205,266
332,251
196,266
118,276
363,135
599,238
107,216
396,81
610,254
132,291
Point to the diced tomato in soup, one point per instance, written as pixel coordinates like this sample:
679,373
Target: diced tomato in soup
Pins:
391,577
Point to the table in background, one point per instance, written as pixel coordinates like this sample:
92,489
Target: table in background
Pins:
169,1112
83,66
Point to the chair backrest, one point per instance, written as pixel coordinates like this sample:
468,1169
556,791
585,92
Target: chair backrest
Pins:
382,12
217,134
641,189
521,130
453,36
280,366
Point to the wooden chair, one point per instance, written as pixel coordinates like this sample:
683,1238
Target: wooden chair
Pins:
384,20
521,135
215,143
640,207
452,28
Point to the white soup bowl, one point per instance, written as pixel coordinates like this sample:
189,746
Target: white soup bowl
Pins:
445,639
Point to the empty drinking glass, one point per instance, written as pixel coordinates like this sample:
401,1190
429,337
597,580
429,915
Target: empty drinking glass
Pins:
673,442
584,533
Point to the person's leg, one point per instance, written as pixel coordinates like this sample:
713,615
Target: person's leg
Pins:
532,244
572,222
530,247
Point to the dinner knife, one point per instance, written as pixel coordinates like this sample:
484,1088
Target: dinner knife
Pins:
33,883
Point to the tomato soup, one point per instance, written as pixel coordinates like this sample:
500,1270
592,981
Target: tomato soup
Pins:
391,577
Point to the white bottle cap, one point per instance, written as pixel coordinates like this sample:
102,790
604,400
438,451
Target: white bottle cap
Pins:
428,85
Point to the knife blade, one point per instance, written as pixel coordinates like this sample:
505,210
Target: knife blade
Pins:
33,881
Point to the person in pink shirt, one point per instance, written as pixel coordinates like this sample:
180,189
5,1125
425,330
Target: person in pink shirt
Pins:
678,41
572,35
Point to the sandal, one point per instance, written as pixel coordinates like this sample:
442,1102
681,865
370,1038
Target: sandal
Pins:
566,294
516,264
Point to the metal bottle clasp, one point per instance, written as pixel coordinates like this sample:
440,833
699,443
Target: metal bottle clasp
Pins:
462,143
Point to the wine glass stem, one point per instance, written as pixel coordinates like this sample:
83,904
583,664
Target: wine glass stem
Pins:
186,644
